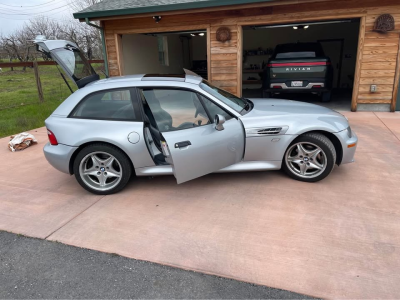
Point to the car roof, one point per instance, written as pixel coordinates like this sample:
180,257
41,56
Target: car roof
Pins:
150,77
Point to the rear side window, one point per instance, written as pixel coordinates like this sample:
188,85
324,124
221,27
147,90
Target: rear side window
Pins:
108,105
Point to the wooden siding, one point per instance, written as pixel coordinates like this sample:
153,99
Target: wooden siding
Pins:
377,61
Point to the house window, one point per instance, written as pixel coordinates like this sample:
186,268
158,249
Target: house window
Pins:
163,51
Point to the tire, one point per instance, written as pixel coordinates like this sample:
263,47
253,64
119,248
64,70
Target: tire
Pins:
267,94
107,168
326,96
304,163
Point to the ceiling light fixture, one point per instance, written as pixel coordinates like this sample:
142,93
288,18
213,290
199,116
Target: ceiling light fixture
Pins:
306,24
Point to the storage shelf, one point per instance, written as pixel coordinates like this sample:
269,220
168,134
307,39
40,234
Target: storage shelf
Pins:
252,71
258,55
252,82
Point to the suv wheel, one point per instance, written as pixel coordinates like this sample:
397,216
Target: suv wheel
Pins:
102,169
326,96
310,158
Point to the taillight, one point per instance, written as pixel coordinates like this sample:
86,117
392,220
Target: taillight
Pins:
276,87
307,64
317,86
52,138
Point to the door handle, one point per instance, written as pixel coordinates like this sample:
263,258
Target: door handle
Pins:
182,144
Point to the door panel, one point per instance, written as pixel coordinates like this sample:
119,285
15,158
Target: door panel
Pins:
204,149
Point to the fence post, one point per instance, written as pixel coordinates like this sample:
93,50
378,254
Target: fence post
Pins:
38,82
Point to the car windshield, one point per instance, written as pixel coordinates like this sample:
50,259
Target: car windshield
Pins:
229,99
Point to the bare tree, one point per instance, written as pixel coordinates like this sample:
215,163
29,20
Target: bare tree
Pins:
82,4
91,36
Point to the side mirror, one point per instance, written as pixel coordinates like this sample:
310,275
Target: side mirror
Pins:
219,122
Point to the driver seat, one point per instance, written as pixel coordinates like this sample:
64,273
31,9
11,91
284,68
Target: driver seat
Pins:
159,118
161,115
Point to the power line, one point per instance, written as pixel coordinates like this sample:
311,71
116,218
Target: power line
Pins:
29,10
28,17
14,14
27,5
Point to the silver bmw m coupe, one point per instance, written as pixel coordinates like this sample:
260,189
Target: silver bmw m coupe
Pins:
181,125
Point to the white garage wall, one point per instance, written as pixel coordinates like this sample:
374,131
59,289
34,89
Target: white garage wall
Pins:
140,55
269,38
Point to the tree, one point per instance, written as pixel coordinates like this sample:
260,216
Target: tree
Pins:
81,4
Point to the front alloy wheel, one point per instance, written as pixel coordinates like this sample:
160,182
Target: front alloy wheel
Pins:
102,169
311,157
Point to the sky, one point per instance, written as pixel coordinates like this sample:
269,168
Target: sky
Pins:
13,13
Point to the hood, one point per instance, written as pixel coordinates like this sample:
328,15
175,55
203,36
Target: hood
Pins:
299,116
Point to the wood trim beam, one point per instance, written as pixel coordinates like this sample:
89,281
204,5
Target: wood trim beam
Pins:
207,10
396,83
239,59
209,53
295,18
118,44
357,73
163,29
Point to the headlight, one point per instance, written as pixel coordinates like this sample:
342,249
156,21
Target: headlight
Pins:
349,133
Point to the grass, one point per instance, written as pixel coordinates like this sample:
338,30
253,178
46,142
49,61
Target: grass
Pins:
20,109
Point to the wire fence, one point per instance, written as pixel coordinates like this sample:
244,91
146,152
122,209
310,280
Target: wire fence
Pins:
18,87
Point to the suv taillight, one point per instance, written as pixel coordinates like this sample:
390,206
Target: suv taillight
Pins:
52,138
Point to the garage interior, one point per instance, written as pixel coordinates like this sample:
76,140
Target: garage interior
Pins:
339,40
165,53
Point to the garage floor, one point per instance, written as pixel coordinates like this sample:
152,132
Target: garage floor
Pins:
341,99
335,239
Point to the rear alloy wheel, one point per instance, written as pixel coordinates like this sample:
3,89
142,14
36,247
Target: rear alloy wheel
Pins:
102,169
311,157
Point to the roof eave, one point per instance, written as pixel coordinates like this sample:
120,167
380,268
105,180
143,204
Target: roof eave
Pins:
163,8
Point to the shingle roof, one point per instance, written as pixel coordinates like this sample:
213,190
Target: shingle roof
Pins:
107,8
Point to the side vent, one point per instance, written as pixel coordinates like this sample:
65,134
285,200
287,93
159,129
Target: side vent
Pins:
265,131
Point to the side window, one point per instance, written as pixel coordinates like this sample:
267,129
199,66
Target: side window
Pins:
170,109
214,109
107,105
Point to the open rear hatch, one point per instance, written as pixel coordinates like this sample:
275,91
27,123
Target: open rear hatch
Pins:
70,58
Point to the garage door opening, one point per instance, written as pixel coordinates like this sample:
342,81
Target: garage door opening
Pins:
165,53
313,62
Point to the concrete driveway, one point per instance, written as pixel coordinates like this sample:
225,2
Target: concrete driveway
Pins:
339,238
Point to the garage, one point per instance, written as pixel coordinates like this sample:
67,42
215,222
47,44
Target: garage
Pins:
319,55
165,53
360,39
